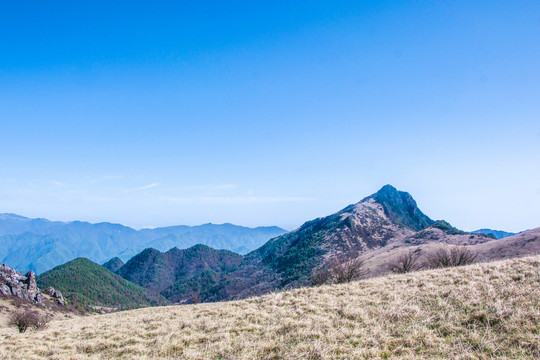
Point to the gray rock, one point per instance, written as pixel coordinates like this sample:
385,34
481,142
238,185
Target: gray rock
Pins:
55,294
38,299
13,283
5,290
31,281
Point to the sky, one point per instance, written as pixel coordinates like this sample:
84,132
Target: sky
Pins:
269,112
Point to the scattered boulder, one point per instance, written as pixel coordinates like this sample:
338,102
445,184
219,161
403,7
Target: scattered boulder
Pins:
56,294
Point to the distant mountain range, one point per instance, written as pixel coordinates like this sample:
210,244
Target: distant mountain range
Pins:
497,234
40,244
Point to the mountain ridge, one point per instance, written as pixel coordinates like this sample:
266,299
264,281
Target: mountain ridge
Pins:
41,244
180,275
378,224
497,234
86,282
377,229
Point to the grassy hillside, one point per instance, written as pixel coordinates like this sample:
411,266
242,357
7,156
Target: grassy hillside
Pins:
482,311
92,284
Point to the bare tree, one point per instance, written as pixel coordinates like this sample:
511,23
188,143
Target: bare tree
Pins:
339,271
347,271
406,262
320,276
456,256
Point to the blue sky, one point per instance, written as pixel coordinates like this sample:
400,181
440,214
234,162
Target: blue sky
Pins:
269,113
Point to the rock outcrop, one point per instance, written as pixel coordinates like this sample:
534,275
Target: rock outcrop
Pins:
56,294
24,287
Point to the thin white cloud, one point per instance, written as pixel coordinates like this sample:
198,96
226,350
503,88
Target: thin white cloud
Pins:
142,188
57,183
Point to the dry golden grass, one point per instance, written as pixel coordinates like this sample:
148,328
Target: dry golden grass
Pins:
8,307
483,311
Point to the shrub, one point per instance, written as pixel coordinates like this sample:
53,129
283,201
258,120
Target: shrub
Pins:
24,319
195,298
42,322
456,256
320,276
339,272
406,262
347,271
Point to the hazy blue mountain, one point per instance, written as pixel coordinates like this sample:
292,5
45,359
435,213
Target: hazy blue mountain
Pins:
497,234
40,244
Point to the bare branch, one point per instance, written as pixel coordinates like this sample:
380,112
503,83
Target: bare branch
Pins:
406,262
456,256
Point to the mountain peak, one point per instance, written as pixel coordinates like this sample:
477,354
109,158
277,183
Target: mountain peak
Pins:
387,189
114,264
401,208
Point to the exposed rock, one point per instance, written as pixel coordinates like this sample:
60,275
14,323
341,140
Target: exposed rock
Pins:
31,282
56,294
5,290
49,291
13,283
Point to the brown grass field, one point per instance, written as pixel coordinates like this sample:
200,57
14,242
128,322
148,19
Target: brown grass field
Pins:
483,311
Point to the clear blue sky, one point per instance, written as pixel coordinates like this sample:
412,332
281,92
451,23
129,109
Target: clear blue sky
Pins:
269,112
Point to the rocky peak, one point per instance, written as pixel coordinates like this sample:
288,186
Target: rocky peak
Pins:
401,208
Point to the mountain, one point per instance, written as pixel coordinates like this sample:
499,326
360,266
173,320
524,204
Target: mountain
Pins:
378,224
180,275
524,243
497,234
400,208
114,264
40,244
378,221
423,242
378,229
92,284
